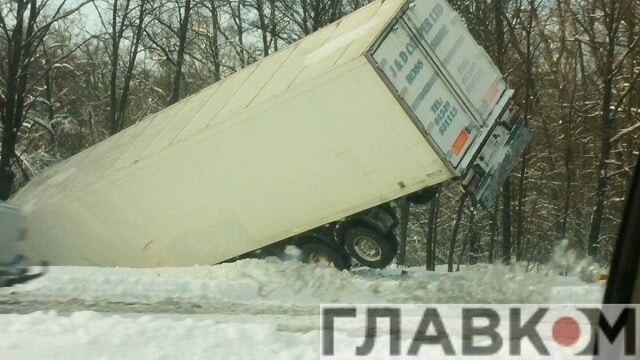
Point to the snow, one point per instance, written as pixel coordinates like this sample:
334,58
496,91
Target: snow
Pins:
85,334
240,310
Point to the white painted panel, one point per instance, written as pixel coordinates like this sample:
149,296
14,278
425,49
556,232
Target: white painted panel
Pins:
413,76
295,64
383,16
264,74
255,164
464,62
201,118
335,146
177,120
347,32
220,97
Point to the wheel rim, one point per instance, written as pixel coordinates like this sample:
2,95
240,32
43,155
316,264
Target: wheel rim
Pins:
320,259
367,248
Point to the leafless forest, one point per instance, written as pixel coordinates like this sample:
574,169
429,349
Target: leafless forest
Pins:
73,72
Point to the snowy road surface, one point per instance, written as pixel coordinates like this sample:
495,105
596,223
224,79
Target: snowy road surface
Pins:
244,310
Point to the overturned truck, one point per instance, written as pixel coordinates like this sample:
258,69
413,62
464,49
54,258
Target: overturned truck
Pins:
306,147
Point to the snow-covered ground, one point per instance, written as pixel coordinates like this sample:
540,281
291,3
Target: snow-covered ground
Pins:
245,310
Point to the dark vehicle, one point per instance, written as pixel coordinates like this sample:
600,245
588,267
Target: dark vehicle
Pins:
14,268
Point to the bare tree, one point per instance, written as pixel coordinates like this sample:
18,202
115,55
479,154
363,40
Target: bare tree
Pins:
24,26
454,234
404,209
127,18
432,232
310,15
185,18
168,35
500,49
604,52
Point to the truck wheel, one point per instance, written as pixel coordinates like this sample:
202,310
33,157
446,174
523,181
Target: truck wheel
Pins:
319,253
393,241
369,247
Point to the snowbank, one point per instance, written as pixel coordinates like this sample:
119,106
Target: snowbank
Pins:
242,310
292,283
89,335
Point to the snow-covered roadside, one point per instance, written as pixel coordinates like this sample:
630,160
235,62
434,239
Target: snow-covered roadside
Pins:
245,309
290,283
91,335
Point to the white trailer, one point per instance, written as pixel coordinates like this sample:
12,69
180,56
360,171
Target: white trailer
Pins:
306,146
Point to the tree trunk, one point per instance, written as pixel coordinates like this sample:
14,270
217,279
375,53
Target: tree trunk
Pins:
474,240
529,94
607,120
435,232
456,228
7,153
48,94
214,43
432,232
133,56
467,245
182,44
506,222
493,230
498,11
264,27
404,208
273,28
12,112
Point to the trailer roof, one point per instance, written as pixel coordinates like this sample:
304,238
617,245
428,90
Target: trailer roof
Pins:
221,104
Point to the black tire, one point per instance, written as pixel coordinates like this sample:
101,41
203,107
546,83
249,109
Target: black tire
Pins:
317,252
393,241
368,247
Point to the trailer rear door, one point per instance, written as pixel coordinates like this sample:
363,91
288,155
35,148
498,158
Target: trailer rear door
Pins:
465,64
454,93
411,73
